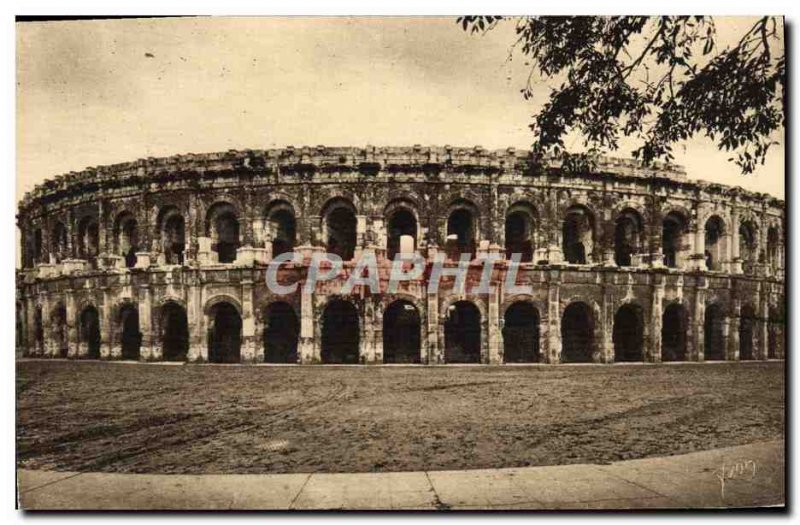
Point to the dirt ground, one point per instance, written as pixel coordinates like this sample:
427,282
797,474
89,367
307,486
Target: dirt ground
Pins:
116,417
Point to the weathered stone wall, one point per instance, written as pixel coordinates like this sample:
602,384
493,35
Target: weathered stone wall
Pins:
430,183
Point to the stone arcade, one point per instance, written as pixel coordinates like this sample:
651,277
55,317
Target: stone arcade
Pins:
164,259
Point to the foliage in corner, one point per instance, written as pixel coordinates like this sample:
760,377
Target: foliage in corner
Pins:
659,80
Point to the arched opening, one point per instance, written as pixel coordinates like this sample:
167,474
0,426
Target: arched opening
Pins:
281,333
89,332
772,248
578,235
222,227
130,336
21,338
401,222
673,233
628,334
577,334
715,243
462,333
401,333
89,240
58,321
674,325
520,232
38,330
714,333
58,242
774,334
521,333
280,227
224,334
126,238
173,235
747,322
748,246
340,228
461,232
340,333
38,251
174,332
628,237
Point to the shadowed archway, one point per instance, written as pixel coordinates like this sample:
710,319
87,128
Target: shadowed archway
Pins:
577,334
224,334
130,336
401,333
521,334
628,334
281,333
462,333
674,325
340,333
89,332
714,335
174,332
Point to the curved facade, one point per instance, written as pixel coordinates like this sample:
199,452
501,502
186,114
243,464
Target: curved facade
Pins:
164,259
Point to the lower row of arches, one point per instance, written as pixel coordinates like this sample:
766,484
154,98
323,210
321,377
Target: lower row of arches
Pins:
402,333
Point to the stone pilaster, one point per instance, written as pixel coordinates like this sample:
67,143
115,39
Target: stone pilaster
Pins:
552,350
494,336
698,322
107,350
72,324
308,348
652,344
249,344
198,342
145,306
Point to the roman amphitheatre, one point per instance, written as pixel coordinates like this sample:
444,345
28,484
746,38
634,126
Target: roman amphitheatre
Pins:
163,260
129,268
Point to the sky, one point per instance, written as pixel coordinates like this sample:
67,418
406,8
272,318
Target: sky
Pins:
91,93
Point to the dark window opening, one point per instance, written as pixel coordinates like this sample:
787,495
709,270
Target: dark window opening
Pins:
714,251
131,337
672,239
518,236
577,334
674,326
224,334
174,332
460,235
628,334
627,238
38,329
578,236
714,335
60,331
281,334
747,320
225,237
341,225
59,242
340,333
283,228
37,246
174,239
401,333
401,222
462,334
90,332
521,334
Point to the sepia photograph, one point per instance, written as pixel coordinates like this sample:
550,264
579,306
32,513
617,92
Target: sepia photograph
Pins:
400,263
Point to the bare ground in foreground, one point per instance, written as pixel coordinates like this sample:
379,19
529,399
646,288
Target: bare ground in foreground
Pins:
94,416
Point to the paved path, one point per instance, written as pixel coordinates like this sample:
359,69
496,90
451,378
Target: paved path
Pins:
754,476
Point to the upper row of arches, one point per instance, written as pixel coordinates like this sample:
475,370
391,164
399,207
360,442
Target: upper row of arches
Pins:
524,233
